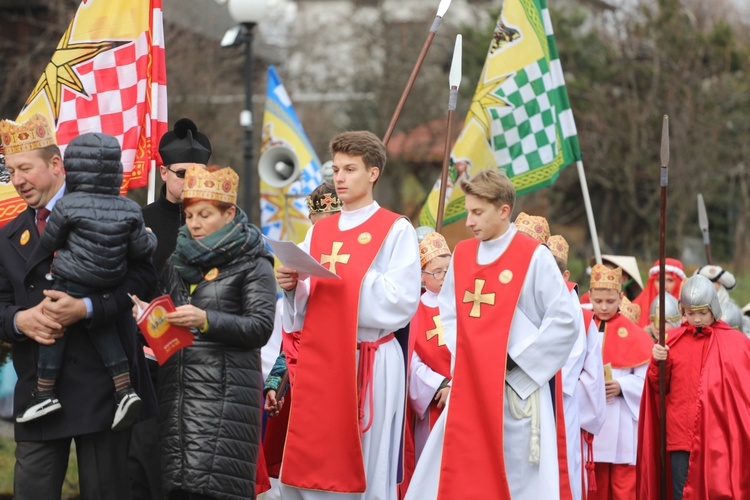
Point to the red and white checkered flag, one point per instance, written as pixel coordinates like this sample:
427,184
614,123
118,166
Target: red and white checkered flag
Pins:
107,75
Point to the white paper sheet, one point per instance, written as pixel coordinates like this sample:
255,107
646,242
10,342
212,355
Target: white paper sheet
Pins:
293,257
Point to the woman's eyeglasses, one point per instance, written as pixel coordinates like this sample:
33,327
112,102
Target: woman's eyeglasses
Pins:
180,174
438,275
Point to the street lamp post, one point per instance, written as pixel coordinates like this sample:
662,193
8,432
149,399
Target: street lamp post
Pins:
247,13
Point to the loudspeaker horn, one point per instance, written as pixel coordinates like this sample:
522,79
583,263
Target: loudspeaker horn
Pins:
278,166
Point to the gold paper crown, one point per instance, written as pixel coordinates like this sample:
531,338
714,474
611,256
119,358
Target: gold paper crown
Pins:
211,184
604,277
432,245
559,247
534,226
34,133
630,310
330,203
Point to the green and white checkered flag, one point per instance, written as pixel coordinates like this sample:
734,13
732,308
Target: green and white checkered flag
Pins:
520,119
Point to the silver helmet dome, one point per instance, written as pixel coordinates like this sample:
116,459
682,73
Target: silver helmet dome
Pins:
732,316
698,292
671,311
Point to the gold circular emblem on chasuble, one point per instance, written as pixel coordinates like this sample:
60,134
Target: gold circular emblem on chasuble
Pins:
622,332
364,238
25,236
506,276
212,274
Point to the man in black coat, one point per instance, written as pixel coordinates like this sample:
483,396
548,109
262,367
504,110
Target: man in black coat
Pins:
31,314
179,148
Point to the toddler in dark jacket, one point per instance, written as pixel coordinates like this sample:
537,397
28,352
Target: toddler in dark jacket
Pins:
94,232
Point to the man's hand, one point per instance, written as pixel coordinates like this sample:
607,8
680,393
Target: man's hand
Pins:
62,308
287,278
37,326
442,397
612,389
272,406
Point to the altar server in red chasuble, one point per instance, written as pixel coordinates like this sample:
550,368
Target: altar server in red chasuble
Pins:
510,324
430,365
583,384
626,350
346,416
707,405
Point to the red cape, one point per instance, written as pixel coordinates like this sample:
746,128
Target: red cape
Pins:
718,458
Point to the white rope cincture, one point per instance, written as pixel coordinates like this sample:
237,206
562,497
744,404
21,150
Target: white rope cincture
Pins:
530,409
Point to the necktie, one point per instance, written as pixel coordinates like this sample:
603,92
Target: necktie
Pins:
41,219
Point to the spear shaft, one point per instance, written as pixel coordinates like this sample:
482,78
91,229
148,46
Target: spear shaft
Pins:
442,8
662,305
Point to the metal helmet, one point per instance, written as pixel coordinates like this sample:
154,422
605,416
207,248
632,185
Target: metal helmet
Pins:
698,292
671,311
732,316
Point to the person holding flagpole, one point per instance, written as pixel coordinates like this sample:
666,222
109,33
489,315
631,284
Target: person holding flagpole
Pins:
346,416
510,323
31,315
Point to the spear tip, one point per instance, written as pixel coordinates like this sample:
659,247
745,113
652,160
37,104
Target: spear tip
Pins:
665,141
454,78
443,7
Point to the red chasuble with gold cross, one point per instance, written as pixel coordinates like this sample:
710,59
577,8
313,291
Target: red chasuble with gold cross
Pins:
323,446
430,347
473,465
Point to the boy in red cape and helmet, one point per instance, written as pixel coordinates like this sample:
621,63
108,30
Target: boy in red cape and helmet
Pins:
707,368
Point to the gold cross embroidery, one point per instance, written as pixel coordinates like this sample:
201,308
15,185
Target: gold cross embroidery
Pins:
478,298
438,330
334,256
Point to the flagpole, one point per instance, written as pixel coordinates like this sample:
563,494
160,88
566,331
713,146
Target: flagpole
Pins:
703,223
589,212
662,306
454,81
442,8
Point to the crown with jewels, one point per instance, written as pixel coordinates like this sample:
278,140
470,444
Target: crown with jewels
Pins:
329,203
432,245
559,247
211,183
34,133
604,277
630,310
534,226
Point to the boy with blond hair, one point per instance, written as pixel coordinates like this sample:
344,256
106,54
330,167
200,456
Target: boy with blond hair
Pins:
510,324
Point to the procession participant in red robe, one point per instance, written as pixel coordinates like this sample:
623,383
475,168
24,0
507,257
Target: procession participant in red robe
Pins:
708,422
625,354
509,322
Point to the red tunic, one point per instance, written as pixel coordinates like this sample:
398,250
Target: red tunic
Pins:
435,355
327,362
721,434
473,465
684,364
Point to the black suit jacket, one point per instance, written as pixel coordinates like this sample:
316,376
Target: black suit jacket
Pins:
85,389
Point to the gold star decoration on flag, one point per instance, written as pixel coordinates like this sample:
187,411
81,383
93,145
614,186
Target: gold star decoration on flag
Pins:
485,98
60,70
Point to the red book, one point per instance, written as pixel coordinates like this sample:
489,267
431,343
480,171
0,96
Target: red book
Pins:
163,338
